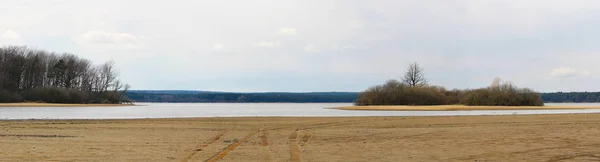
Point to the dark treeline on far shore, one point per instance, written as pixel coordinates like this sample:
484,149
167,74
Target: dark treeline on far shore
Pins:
317,97
31,75
199,96
575,97
414,90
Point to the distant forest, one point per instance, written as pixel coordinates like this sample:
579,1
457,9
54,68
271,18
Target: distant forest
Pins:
324,97
203,96
32,75
563,97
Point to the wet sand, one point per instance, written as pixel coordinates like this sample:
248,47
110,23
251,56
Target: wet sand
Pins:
459,138
462,107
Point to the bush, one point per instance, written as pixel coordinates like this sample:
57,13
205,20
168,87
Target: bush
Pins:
396,93
48,95
503,95
112,98
78,97
8,97
61,95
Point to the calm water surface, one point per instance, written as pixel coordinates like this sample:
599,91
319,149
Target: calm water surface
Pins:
182,110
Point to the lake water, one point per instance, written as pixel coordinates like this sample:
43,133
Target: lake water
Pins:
184,110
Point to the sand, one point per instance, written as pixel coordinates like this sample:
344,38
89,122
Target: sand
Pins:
58,105
460,138
462,107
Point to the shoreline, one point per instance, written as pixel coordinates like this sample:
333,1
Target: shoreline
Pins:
59,105
459,107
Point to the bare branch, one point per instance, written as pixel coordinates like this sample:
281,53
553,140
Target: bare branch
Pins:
414,75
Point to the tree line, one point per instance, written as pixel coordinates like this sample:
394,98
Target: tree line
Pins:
415,90
171,96
452,96
31,75
577,97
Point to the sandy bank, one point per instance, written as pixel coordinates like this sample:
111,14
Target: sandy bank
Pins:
58,105
461,107
460,138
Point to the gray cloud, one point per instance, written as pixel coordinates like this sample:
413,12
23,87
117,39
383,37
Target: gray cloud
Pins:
273,45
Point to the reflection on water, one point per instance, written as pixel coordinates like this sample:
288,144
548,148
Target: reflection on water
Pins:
175,110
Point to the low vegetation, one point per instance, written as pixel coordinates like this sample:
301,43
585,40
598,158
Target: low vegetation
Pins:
396,93
414,90
504,94
30,75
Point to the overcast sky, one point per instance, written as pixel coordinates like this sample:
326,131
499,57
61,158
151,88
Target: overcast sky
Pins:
319,45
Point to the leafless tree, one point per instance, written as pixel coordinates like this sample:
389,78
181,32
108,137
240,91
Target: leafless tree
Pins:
34,73
496,83
108,74
414,76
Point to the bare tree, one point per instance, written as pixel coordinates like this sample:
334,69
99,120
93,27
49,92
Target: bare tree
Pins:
496,83
414,75
37,75
108,74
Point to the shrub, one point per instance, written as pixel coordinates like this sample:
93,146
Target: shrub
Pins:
396,93
503,95
78,97
8,97
112,98
48,95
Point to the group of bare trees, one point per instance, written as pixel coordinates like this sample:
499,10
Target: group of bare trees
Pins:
415,90
40,76
502,94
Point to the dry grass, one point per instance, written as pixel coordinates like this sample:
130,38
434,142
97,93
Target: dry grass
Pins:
57,105
461,107
567,137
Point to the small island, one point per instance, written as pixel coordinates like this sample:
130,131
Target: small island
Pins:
38,78
414,93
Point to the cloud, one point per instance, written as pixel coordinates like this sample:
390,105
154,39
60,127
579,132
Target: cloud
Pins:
585,73
343,47
287,31
9,34
267,44
461,43
218,46
348,47
99,37
565,72
310,48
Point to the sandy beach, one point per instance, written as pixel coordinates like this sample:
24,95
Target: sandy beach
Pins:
461,107
459,138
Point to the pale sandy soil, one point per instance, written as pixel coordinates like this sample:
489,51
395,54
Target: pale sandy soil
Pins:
461,107
57,105
464,138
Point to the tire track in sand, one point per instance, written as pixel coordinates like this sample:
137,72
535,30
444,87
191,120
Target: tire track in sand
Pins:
266,151
221,154
199,147
294,148
264,138
305,138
